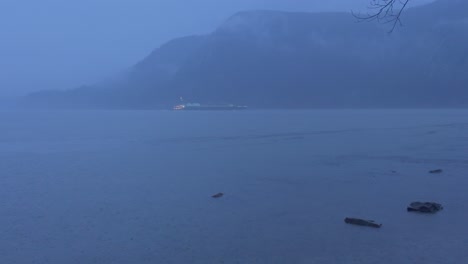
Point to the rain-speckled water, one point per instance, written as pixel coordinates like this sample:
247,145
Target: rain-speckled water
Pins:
135,186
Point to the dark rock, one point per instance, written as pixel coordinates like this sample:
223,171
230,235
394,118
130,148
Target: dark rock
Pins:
218,195
427,207
436,171
361,222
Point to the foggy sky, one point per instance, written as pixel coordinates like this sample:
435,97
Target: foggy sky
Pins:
57,44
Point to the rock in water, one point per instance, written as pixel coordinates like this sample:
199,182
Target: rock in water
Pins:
427,207
218,195
361,222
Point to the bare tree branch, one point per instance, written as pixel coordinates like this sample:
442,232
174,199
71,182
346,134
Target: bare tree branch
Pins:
384,11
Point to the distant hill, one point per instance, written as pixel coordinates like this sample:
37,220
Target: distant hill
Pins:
270,59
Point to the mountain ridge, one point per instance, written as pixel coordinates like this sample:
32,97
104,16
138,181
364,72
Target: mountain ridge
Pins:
275,59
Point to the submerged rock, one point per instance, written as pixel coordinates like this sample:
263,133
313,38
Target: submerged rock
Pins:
218,195
427,207
361,222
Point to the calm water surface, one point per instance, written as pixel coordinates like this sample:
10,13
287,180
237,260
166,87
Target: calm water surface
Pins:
136,186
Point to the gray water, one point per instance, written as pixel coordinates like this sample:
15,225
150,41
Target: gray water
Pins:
136,186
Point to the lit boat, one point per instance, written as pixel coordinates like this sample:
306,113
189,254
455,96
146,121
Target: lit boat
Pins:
197,106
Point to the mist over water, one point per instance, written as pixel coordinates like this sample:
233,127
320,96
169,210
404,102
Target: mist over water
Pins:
309,118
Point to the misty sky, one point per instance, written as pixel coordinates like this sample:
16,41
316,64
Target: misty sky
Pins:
60,44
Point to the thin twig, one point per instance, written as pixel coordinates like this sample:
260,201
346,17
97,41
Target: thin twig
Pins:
385,12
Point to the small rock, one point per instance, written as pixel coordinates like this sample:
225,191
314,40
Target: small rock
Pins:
436,171
361,222
426,207
218,195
